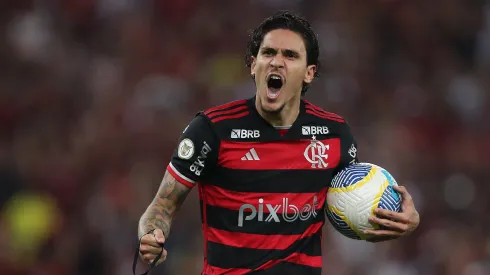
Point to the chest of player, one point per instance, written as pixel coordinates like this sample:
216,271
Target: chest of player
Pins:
303,165
279,180
278,155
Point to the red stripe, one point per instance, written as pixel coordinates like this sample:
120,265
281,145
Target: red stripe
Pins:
179,178
215,114
224,106
230,116
314,107
213,270
281,155
321,112
296,258
282,132
255,241
223,198
324,116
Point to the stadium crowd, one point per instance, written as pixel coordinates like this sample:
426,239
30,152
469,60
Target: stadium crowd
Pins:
94,95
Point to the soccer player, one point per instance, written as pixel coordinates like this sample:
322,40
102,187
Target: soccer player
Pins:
262,167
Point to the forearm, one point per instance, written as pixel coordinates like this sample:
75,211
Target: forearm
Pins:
156,216
164,207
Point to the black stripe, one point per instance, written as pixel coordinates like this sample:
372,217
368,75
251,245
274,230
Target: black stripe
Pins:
259,181
226,219
286,268
224,256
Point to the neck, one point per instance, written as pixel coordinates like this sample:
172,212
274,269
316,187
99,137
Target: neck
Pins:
285,117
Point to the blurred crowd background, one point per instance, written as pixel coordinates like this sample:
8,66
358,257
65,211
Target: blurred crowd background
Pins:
95,93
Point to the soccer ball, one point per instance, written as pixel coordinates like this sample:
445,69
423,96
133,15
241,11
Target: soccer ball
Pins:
353,195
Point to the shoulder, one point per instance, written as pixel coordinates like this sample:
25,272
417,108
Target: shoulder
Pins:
215,115
321,114
227,112
221,120
336,124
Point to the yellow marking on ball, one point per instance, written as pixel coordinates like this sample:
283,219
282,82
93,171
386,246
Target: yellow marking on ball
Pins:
357,185
345,219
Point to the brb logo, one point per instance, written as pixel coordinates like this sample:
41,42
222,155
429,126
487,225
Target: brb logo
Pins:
242,133
314,130
290,212
315,154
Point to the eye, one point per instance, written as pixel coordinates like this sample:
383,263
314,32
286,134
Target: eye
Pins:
290,54
268,52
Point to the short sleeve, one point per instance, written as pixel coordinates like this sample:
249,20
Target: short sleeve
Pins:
196,154
348,147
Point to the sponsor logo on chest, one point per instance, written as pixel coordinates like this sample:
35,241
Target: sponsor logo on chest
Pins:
243,133
314,130
286,211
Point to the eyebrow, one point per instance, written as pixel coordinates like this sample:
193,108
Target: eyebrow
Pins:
287,52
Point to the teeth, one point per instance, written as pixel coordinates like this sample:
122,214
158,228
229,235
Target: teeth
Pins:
275,77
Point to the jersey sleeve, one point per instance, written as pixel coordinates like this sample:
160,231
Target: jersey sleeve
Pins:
196,154
348,148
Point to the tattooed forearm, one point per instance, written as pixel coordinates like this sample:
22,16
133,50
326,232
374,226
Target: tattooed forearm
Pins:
164,206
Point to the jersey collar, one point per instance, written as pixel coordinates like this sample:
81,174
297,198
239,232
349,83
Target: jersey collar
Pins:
295,127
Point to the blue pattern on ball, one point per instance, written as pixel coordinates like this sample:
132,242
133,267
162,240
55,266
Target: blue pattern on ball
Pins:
392,182
390,202
341,225
350,175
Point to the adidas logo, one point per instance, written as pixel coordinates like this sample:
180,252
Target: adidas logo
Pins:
251,155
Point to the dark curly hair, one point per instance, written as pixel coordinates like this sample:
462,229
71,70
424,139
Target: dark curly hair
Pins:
292,22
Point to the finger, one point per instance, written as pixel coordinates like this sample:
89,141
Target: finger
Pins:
400,227
148,257
160,238
149,239
406,197
391,215
408,205
150,249
163,258
380,232
401,189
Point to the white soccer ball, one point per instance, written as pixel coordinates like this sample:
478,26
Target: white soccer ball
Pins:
354,194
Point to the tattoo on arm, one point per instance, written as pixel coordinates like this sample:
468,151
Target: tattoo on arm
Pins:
168,200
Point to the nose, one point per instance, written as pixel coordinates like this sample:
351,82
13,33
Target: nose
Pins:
277,61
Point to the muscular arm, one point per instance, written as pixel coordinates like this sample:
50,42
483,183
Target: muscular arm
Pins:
168,200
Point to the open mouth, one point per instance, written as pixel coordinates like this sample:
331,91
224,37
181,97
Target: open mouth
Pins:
274,85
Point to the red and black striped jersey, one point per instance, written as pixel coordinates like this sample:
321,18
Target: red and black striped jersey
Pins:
262,192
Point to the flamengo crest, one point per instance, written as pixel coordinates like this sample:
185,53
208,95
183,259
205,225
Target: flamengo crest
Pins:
315,153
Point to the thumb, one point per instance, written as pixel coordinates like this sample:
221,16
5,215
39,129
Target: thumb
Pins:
160,238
